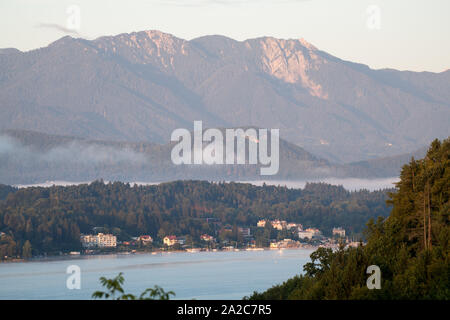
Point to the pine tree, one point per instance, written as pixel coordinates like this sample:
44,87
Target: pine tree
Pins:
26,250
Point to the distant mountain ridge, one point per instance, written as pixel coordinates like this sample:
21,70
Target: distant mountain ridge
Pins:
32,157
143,85
381,167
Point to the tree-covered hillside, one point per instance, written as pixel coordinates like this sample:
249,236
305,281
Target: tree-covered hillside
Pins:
53,218
5,190
411,246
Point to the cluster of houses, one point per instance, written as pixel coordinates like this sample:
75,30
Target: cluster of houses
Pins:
173,240
280,225
102,240
144,239
308,233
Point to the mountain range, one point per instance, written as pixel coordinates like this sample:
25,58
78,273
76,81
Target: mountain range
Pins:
142,85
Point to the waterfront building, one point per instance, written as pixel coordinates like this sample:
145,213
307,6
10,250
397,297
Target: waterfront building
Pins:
261,223
245,232
146,239
338,232
207,237
99,240
279,225
305,234
170,240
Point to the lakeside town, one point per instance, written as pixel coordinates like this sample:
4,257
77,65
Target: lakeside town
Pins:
265,235
275,234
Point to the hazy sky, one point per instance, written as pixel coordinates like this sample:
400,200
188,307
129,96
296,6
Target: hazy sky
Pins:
401,34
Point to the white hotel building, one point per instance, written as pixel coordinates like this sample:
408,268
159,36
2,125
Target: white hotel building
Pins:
99,240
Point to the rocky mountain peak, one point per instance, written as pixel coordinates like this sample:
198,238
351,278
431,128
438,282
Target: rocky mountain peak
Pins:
142,85
292,61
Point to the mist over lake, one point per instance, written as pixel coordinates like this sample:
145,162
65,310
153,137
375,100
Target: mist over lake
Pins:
351,184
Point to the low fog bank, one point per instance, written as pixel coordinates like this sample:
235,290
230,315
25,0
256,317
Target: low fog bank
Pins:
72,161
33,159
350,184
72,152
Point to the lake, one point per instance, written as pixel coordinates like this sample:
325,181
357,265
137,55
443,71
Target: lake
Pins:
200,275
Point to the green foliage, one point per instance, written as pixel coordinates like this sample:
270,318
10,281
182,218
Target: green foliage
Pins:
115,291
26,250
5,190
411,246
324,257
156,293
52,219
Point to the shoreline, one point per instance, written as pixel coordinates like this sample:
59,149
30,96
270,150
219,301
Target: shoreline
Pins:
156,252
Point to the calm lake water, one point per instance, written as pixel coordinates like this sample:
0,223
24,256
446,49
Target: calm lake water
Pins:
202,275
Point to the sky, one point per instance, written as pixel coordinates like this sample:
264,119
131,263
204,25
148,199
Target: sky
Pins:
400,34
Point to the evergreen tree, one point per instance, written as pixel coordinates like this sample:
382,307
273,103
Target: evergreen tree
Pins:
26,250
411,246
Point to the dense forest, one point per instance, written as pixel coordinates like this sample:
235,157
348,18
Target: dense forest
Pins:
50,220
411,246
5,190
